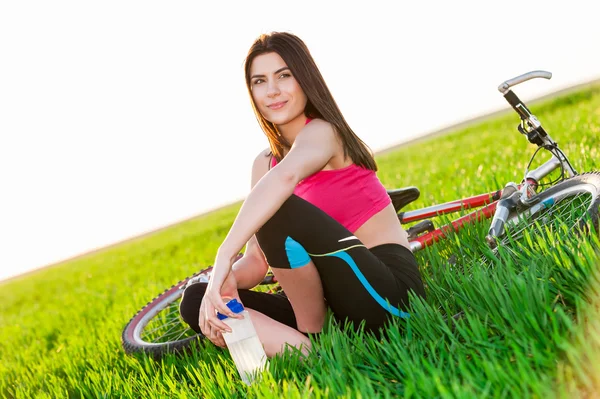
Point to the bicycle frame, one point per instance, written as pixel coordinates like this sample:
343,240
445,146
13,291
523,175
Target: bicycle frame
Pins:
497,204
487,201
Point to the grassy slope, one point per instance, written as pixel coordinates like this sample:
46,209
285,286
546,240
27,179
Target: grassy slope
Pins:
523,334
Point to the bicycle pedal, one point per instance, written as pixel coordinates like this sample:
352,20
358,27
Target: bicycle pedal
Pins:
452,260
275,290
419,228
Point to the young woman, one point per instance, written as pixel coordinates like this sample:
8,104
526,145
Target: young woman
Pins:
317,215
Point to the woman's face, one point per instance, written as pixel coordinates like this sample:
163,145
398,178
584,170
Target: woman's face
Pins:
275,91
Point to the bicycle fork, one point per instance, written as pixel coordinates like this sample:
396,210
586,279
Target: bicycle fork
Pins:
505,204
523,196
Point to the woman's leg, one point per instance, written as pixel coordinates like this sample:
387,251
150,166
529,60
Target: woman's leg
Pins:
272,316
305,292
276,336
357,285
275,306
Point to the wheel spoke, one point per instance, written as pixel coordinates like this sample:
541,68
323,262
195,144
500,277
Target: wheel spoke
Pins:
171,324
173,336
182,334
167,332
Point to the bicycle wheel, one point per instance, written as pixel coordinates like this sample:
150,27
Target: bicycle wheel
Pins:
572,204
157,328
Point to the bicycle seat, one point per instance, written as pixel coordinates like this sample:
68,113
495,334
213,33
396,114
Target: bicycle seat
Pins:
403,196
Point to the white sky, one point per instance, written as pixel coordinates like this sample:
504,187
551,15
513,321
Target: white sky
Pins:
119,117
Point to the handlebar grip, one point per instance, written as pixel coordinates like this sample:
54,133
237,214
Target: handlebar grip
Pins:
516,103
503,88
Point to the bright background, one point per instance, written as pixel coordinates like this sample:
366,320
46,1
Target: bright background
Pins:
120,117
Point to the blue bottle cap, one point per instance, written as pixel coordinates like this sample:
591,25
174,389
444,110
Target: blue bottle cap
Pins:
234,306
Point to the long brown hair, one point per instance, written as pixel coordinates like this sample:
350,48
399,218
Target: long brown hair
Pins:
320,102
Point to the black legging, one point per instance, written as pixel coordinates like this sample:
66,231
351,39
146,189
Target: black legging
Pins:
358,283
276,306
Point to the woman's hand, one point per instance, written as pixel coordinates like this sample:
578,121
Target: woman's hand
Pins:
212,302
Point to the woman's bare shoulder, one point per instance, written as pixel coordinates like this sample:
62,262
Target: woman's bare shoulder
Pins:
261,164
263,156
320,124
322,131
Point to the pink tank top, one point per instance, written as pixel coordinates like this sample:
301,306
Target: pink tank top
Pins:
350,195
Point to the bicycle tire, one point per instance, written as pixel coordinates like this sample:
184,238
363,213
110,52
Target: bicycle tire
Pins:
579,194
134,339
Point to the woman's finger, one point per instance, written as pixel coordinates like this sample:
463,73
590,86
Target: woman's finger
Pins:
212,322
211,336
216,337
219,325
205,310
219,340
208,311
201,317
219,304
215,323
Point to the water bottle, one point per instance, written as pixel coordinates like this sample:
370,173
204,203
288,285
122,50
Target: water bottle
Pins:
243,343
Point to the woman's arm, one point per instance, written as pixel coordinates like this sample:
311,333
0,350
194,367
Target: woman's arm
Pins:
314,146
252,268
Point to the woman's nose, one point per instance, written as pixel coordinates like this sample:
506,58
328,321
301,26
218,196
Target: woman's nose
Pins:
272,89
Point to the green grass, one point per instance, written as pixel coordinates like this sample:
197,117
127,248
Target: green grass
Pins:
531,326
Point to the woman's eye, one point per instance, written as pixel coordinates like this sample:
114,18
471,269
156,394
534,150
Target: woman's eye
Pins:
258,81
285,75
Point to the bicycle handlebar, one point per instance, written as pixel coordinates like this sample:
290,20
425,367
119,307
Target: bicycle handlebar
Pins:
503,88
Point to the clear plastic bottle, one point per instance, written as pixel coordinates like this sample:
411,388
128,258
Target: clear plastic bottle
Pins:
243,343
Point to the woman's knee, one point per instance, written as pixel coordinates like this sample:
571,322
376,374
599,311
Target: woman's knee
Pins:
189,308
285,218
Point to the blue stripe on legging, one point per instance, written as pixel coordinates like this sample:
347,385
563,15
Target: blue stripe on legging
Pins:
296,254
382,302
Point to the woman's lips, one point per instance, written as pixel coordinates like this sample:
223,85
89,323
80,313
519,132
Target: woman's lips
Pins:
277,105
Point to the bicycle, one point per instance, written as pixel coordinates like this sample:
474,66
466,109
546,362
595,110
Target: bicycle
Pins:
573,200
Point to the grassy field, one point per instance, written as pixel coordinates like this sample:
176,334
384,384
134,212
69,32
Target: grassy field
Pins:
531,327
